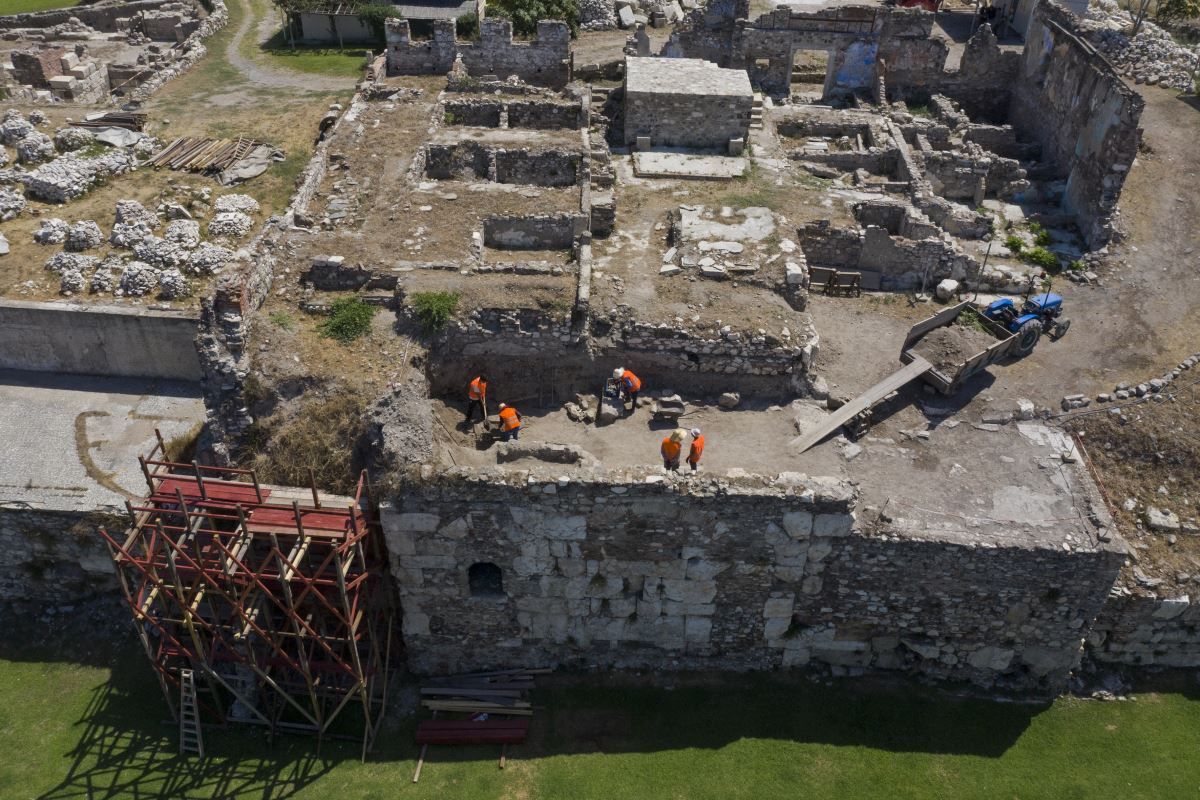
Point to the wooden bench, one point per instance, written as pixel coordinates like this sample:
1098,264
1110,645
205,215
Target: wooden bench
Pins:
833,281
464,731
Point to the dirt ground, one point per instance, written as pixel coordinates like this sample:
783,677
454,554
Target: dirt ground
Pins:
214,98
1141,319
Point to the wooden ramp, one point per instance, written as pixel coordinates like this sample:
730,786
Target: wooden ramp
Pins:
837,419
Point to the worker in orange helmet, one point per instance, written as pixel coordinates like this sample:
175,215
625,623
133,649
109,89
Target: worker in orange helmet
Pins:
696,450
672,445
629,385
476,398
510,422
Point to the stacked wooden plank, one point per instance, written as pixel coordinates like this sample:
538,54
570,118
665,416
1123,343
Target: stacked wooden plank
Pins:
490,699
202,154
498,692
114,119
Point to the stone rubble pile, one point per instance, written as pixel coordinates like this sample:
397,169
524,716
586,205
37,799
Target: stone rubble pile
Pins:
230,223
52,231
236,202
1152,57
84,235
12,203
69,139
15,127
35,148
64,261
161,253
209,258
138,279
103,281
70,175
172,285
70,281
597,15
183,232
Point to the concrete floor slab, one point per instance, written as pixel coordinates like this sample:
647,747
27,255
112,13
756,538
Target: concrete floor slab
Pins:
71,442
683,165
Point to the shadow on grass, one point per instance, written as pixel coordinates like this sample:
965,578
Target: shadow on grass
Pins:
894,716
125,751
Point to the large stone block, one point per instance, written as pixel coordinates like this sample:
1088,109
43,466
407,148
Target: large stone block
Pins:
779,607
798,524
685,591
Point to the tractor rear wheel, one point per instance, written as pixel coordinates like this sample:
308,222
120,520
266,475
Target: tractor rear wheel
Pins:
1027,337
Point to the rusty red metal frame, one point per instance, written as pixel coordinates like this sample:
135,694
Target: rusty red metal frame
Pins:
243,589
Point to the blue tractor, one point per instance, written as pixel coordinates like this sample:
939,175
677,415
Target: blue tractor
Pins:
1041,313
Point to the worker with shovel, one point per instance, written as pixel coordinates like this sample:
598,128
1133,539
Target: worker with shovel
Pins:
696,450
476,399
672,445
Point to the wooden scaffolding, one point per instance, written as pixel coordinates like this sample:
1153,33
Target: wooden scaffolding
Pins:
272,596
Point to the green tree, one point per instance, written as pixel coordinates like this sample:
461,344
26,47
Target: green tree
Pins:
526,13
1175,10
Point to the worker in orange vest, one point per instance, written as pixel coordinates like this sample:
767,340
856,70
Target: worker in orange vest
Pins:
476,397
696,450
629,385
671,447
510,422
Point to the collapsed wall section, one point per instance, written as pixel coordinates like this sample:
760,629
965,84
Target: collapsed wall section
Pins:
637,569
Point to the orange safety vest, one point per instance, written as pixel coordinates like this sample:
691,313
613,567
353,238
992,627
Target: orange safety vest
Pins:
670,449
509,418
696,451
632,382
477,389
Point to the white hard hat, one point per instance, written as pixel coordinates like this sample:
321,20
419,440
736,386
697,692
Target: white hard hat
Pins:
695,432
504,405
618,372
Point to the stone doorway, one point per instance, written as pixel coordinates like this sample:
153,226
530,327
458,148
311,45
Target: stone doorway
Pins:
809,75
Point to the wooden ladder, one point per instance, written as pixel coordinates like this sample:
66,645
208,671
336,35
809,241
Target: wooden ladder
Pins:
190,738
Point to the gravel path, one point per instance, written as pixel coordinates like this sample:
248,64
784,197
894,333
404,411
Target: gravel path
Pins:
269,76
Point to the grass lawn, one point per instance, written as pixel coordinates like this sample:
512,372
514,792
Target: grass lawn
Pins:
25,6
347,63
96,731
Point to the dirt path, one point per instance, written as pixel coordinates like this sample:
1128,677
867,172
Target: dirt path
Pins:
269,76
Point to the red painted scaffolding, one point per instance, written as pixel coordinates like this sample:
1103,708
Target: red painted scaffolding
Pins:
278,606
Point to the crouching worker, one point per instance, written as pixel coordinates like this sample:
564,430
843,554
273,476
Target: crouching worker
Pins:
672,445
476,398
629,386
696,450
510,422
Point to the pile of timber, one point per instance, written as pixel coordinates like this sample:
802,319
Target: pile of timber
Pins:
113,119
499,692
201,154
489,699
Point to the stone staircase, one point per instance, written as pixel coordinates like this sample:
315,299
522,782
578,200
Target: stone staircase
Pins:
756,112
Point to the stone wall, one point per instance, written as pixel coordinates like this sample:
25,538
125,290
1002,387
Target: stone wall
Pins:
546,61
636,569
97,340
108,17
522,113
534,231
53,557
1072,102
36,67
472,160
901,263
1140,630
